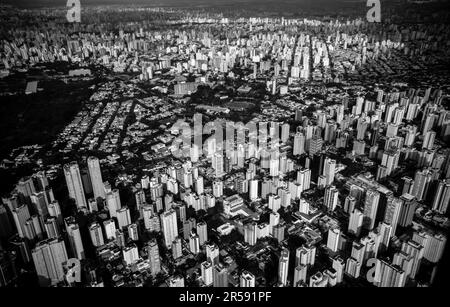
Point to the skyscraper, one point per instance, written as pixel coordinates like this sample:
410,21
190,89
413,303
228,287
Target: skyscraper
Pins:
388,275
331,198
370,208
21,215
96,234
283,266
49,257
177,249
207,273
153,257
422,181
220,276
250,233
212,253
202,233
74,184
441,199
169,226
96,177
51,227
123,217
299,144
329,170
194,243
392,212
334,236
73,232
110,229
113,202
355,223
407,210
300,274
247,279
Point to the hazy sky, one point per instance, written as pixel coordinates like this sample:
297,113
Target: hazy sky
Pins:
40,3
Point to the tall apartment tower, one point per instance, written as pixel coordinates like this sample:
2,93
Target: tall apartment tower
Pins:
96,177
153,256
169,226
75,184
48,257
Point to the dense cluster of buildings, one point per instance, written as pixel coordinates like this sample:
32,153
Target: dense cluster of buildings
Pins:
345,182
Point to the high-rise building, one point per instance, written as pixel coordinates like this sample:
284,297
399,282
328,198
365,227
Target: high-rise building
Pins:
110,229
169,227
188,226
392,212
113,202
75,184
55,210
285,132
253,190
220,276
73,232
153,257
123,217
339,267
177,249
21,214
353,267
300,274
96,234
299,144
96,177
355,223
207,273
49,257
283,266
334,237
388,275
421,185
133,233
8,270
305,255
217,188
329,170
247,279
278,232
202,233
194,243
407,210
52,228
39,203
304,178
415,250
441,199
212,253
315,146
370,208
130,254
250,233
428,140
433,244
331,198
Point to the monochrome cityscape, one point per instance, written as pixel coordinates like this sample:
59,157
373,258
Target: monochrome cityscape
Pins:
224,143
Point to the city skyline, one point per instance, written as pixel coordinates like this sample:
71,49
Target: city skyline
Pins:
209,147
